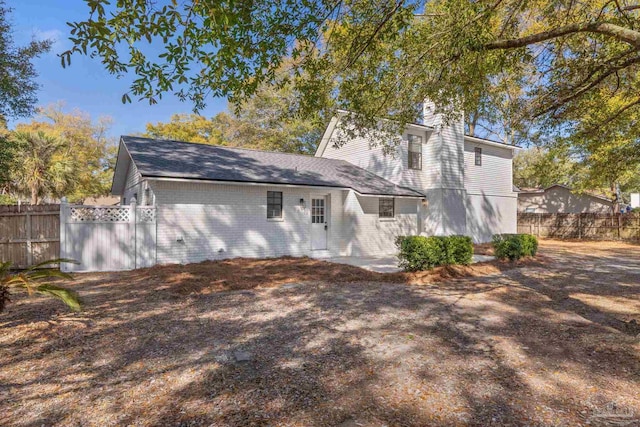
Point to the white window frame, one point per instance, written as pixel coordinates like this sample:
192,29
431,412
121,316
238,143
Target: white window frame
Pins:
276,218
393,208
414,140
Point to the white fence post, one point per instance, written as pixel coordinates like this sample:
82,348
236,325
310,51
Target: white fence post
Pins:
63,233
134,223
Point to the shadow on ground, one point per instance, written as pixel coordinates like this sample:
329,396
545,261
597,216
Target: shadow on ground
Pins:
542,344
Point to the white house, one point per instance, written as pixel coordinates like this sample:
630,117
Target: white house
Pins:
217,202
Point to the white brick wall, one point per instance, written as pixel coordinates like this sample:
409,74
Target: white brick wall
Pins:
488,215
209,217
365,234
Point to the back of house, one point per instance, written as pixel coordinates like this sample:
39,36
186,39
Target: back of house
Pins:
204,202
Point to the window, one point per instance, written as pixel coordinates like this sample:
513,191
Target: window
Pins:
317,211
478,152
415,152
274,204
147,197
386,208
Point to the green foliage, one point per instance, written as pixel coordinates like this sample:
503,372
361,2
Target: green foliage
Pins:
514,246
541,168
34,281
18,88
42,165
7,199
372,57
460,249
418,253
60,154
267,121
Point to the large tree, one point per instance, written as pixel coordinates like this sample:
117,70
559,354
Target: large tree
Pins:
43,165
78,163
373,57
266,121
18,87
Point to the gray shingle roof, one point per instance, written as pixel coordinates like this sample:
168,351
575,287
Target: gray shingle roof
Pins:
176,159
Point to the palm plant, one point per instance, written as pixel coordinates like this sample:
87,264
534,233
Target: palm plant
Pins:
34,281
42,165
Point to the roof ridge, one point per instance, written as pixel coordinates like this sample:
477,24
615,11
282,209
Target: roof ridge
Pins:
232,148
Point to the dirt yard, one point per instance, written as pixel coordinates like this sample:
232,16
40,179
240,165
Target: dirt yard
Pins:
303,343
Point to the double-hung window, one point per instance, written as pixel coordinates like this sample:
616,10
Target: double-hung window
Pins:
415,152
386,207
478,153
274,204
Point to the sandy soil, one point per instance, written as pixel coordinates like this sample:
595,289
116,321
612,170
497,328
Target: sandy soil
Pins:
298,342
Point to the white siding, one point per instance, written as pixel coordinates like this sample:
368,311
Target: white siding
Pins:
393,167
494,177
491,204
132,185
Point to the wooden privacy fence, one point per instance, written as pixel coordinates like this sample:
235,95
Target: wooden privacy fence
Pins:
29,234
581,226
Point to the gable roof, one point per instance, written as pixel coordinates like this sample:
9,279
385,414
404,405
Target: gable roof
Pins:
544,190
156,158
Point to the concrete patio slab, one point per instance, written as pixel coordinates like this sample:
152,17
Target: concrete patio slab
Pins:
387,264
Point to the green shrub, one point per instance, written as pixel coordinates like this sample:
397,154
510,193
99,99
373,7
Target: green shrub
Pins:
514,246
422,253
460,249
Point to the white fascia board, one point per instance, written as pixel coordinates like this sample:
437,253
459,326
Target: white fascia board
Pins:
313,187
492,143
326,137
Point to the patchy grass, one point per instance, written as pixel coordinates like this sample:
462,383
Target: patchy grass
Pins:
552,342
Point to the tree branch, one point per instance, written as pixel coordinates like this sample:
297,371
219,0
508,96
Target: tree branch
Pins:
623,34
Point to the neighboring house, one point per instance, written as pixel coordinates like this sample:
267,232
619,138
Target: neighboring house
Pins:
561,199
218,202
102,201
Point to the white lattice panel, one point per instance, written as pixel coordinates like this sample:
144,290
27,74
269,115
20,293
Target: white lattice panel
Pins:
99,214
146,214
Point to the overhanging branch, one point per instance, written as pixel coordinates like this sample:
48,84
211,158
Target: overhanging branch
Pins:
623,34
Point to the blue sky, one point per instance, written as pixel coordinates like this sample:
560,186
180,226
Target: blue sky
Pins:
85,85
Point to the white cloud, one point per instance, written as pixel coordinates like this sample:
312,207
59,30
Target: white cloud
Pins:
59,39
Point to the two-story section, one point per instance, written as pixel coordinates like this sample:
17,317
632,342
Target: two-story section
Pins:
466,181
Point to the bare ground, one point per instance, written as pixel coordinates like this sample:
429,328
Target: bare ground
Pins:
548,343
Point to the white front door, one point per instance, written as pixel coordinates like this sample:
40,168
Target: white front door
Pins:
319,224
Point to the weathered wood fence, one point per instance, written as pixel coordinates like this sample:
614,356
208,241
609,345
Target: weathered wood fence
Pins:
29,234
581,226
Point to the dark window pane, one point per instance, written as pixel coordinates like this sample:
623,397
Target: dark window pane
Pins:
386,208
274,204
478,152
415,152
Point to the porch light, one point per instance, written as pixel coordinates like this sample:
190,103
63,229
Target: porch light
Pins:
302,204
425,202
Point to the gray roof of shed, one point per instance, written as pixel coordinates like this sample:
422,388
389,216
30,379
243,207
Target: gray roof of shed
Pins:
157,158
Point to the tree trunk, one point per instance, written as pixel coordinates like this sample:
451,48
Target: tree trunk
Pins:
34,195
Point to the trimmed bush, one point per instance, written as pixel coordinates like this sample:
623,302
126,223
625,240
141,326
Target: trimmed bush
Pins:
514,246
422,253
460,249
